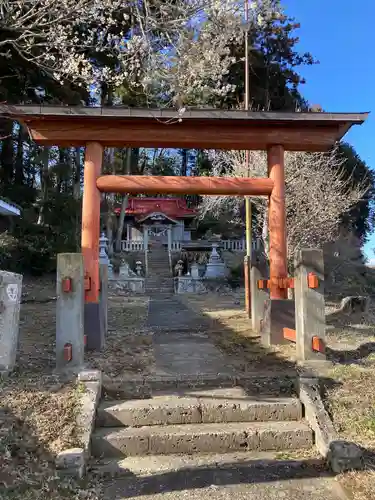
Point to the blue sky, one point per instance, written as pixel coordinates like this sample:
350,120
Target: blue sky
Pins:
340,35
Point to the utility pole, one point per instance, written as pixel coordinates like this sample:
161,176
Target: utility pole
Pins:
247,260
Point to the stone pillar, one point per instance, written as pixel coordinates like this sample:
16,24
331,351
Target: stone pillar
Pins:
258,298
10,300
128,232
70,311
309,304
103,299
169,238
246,268
145,237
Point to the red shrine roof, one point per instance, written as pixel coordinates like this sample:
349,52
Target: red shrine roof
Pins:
174,208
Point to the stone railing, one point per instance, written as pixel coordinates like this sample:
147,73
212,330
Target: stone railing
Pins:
234,245
175,246
138,245
132,245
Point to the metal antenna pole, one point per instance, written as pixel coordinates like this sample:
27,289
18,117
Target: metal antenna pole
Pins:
247,198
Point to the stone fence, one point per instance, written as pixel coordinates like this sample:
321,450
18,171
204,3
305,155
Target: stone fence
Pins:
175,246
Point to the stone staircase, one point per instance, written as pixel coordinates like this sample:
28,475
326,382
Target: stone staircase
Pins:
159,278
137,433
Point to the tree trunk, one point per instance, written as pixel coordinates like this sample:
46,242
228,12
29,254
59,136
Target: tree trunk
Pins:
19,173
184,162
77,194
124,203
44,181
7,154
110,199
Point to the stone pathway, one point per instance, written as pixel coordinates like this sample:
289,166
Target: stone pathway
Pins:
181,347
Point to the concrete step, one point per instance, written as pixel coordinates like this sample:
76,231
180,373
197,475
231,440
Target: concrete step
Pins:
213,406
200,438
155,465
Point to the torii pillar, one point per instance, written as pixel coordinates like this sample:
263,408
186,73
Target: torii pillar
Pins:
90,244
278,254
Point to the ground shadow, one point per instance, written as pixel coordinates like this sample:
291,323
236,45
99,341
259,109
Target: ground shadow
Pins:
248,472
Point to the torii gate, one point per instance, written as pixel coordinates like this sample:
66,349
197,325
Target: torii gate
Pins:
96,128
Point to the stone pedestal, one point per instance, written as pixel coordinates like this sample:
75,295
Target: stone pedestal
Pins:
216,268
10,299
103,298
70,310
194,271
258,299
278,314
310,305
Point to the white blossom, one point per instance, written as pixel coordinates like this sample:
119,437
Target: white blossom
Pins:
173,48
318,194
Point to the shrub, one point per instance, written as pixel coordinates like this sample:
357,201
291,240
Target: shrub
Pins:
32,249
236,276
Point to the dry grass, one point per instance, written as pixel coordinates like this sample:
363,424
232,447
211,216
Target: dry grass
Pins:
37,409
37,420
351,401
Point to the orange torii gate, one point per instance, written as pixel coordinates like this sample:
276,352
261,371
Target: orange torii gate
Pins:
96,128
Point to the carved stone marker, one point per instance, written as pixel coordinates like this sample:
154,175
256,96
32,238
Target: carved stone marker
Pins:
10,300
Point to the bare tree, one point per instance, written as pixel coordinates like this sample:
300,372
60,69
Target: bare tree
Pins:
318,194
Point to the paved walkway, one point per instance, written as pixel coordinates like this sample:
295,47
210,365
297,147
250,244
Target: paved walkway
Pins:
268,481
180,345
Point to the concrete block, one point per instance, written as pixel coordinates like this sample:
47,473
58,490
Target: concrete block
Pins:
200,438
69,310
161,410
71,462
278,314
103,297
341,455
280,436
90,376
86,415
10,300
94,326
309,303
258,298
117,443
203,438
240,410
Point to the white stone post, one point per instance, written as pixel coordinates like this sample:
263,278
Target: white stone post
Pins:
145,238
10,300
169,238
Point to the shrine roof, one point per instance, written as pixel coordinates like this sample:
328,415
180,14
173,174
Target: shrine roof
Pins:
195,128
173,208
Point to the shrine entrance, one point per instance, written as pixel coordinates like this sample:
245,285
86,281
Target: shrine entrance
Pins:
96,128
